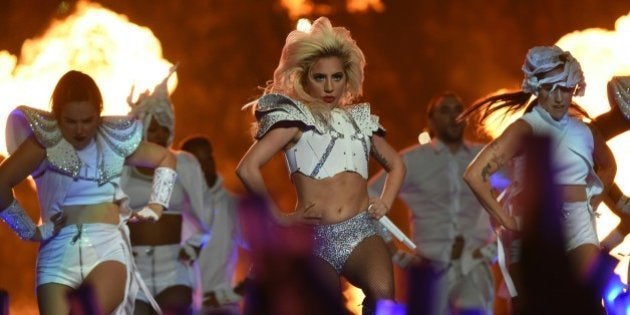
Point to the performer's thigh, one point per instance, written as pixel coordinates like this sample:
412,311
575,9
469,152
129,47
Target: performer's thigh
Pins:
369,268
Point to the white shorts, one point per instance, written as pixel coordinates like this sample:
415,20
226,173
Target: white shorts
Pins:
69,257
578,224
161,268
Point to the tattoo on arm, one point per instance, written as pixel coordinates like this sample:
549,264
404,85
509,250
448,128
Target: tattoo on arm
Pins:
495,163
380,158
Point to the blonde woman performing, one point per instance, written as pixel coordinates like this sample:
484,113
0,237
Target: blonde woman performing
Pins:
307,113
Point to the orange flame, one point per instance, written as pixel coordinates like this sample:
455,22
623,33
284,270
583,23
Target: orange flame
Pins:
358,6
94,40
298,8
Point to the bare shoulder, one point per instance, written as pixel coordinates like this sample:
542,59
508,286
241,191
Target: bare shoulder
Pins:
517,130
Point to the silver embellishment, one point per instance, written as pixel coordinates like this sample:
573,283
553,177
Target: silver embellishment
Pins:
117,138
334,242
274,108
621,95
324,157
18,220
163,183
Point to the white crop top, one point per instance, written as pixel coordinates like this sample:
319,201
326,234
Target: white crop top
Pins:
572,145
326,147
341,148
85,189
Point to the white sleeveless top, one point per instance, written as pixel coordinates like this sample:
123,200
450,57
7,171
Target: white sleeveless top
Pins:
325,148
85,189
572,145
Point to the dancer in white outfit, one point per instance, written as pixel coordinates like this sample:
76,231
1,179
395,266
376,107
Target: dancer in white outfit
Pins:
554,77
76,158
218,259
165,250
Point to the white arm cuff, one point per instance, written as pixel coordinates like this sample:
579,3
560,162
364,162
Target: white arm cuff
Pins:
163,183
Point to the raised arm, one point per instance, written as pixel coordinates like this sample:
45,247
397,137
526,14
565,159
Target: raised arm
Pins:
249,168
493,157
392,164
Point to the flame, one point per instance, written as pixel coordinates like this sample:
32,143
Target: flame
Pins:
602,54
94,40
354,298
358,6
297,8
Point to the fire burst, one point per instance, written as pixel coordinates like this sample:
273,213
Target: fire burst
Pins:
94,40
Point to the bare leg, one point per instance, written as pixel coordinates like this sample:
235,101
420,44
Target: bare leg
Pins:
108,280
52,298
369,268
583,258
175,300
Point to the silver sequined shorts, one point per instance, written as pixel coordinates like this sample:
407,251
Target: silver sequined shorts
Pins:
335,242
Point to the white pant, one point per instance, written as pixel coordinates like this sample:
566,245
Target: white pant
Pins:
160,268
457,292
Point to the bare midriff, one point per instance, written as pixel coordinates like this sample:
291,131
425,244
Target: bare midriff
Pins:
97,213
165,231
573,193
336,198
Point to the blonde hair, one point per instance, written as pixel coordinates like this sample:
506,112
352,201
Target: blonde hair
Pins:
302,49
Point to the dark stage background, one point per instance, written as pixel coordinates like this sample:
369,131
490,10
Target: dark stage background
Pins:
227,48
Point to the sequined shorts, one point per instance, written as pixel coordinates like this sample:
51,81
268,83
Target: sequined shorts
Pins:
335,242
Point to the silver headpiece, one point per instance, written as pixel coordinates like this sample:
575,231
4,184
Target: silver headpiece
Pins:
543,59
155,105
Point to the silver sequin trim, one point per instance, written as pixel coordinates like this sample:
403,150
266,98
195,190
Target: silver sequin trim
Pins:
324,157
117,138
621,87
15,216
